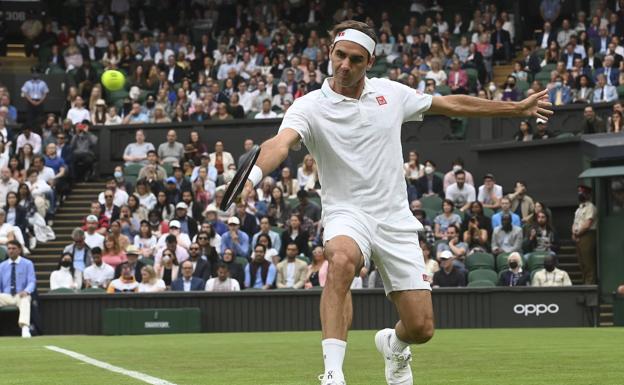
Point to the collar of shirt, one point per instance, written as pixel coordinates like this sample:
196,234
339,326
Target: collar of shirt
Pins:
17,260
336,97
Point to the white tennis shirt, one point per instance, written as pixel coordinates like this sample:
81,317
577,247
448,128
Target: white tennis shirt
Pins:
357,144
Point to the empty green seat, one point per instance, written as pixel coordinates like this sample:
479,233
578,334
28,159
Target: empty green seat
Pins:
241,261
535,260
483,275
3,254
93,290
432,202
62,290
443,89
481,284
168,168
277,229
501,261
488,212
480,261
133,169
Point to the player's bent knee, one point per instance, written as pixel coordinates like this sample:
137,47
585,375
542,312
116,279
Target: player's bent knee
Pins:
341,265
419,332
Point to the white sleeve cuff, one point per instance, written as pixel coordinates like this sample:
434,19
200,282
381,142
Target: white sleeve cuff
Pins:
255,176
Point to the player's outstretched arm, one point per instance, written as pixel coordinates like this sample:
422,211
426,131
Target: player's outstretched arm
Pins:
536,105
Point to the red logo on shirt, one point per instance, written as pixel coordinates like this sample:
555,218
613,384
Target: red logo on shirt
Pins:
381,100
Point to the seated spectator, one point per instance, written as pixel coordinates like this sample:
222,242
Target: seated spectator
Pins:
212,217
505,209
202,268
113,254
560,94
136,115
413,168
519,72
145,240
199,115
603,92
436,72
306,208
93,238
83,152
223,282
307,174
132,258
9,232
271,254
66,276
431,265
249,222
542,130
455,245
449,177
430,184
28,137
99,274
111,117
541,236
550,275
515,275
235,239
510,92
126,283
265,228
448,275
291,272
260,273
445,219
222,112
171,151
137,152
475,236
187,282
266,112
317,270
457,79
39,190
116,229
17,283
592,124
220,159
295,233
615,123
152,171
279,210
584,92
168,269
175,241
521,203
461,193
78,113
282,96
149,282
490,193
78,249
288,184
120,197
507,237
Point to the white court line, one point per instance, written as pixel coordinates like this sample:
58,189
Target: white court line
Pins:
130,373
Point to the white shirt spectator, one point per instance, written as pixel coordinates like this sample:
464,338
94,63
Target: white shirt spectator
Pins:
461,196
99,276
136,149
269,115
216,285
557,277
224,68
46,174
77,115
147,200
5,188
164,56
484,196
94,240
39,188
62,278
34,140
119,199
246,100
159,285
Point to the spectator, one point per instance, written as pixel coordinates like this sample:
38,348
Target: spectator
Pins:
458,79
592,124
616,122
507,237
501,41
265,228
542,130
137,152
560,94
111,117
519,73
436,73
609,71
78,249
584,92
29,137
83,152
584,234
460,193
295,233
132,258
604,92
266,112
150,283
120,197
563,37
17,283
126,283
113,254
220,159
514,275
317,270
431,265
260,273
235,239
455,245
188,225
99,274
446,219
490,193
291,272
521,203
430,184
187,282
457,165
476,235
282,96
199,115
93,238
7,184
34,91
78,113
236,270
308,209
201,267
288,184
66,277
168,267
550,275
171,151
152,171
541,236
223,282
448,275
98,117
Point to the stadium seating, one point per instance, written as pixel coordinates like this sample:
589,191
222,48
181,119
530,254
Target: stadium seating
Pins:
481,284
3,254
480,261
501,261
482,275
93,290
63,290
535,260
432,202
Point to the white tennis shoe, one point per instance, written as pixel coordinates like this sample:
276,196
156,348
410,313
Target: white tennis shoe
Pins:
398,370
332,378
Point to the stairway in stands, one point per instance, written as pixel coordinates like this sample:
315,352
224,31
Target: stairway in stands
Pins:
16,61
69,216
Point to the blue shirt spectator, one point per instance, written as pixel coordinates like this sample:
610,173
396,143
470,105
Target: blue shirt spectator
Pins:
496,219
239,246
24,276
259,283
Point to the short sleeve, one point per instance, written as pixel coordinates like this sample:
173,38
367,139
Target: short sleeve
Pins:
296,118
415,103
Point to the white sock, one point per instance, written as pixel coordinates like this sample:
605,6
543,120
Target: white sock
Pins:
333,355
396,344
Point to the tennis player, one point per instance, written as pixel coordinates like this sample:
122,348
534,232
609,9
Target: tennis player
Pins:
352,127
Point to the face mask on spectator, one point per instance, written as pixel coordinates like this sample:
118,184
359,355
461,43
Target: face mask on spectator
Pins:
513,264
149,104
428,170
118,174
549,266
457,167
492,87
65,264
166,258
558,84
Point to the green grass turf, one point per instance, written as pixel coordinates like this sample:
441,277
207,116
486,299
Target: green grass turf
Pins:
480,357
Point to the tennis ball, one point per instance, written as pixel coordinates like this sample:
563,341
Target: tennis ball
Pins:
113,80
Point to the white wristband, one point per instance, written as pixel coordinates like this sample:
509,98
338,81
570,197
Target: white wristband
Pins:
255,176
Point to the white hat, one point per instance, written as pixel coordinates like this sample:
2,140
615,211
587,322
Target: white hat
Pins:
233,221
134,93
92,218
446,254
182,205
174,223
540,120
211,208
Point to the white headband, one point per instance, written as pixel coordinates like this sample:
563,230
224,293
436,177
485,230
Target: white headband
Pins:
357,37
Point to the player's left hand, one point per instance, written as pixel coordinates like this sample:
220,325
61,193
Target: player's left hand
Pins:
536,105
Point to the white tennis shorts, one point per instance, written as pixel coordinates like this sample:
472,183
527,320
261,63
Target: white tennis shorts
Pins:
393,247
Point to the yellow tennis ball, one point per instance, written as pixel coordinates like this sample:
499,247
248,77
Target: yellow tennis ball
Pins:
113,80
